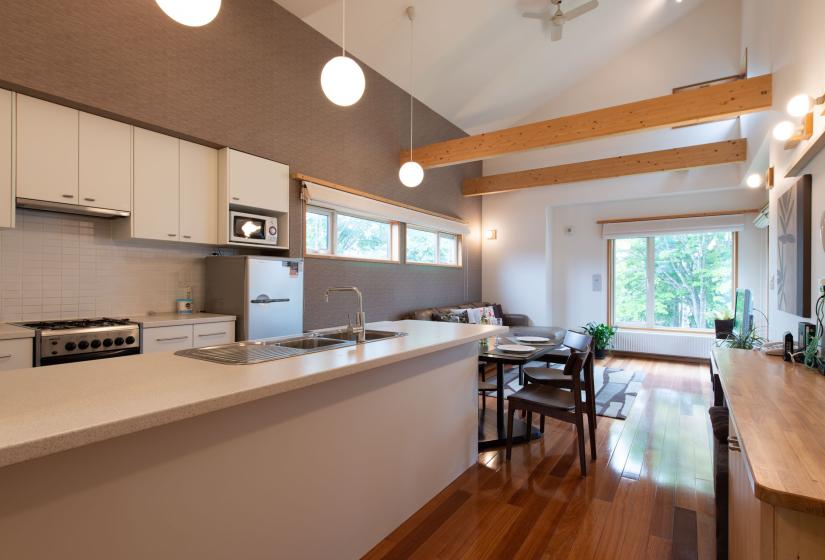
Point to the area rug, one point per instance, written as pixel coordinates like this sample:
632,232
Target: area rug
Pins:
616,389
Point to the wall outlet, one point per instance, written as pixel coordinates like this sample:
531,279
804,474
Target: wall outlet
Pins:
597,282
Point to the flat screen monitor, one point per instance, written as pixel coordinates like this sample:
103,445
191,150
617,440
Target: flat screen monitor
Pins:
743,311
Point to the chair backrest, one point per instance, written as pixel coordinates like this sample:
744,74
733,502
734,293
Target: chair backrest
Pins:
577,341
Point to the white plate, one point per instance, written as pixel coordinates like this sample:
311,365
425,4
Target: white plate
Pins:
533,339
516,348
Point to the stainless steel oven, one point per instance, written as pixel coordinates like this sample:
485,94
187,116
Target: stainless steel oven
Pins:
253,229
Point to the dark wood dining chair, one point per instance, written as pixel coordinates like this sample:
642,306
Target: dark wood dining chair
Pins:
561,404
484,387
557,377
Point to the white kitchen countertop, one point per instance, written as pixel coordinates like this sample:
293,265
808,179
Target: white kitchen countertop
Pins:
51,409
174,319
11,332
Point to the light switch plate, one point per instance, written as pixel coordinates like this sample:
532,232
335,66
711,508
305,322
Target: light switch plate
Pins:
597,282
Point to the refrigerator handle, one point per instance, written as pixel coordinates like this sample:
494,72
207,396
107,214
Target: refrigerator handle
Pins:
263,298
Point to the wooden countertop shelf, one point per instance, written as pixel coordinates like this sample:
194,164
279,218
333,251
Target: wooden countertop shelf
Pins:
779,412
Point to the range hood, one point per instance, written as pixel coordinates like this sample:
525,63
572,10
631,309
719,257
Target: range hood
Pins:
70,208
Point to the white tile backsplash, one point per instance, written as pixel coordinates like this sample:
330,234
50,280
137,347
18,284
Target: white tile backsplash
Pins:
60,266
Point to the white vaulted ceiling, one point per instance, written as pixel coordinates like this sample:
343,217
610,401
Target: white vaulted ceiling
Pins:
478,62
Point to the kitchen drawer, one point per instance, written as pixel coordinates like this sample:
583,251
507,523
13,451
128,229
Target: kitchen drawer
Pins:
210,334
16,354
167,339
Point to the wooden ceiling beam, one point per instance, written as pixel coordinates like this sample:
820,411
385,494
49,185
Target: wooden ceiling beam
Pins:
696,106
729,151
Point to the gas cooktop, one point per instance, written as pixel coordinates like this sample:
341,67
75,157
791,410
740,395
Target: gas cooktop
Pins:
76,324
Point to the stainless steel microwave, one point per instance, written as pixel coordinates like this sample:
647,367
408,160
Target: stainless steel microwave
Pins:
253,229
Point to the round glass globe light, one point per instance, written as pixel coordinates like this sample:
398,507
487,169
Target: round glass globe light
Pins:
411,174
193,13
783,131
799,105
754,180
343,81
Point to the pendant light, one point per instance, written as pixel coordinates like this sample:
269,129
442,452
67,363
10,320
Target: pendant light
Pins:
411,173
342,79
193,13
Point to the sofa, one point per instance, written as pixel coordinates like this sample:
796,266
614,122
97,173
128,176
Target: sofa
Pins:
519,324
510,320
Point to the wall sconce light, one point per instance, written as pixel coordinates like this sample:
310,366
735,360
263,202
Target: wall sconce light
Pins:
799,106
491,234
769,178
754,180
791,134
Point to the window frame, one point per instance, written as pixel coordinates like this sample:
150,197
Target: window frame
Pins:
332,236
438,233
650,307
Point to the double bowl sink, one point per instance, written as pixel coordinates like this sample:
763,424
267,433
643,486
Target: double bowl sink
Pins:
257,351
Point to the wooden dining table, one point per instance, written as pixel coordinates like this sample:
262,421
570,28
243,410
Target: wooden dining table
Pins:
554,352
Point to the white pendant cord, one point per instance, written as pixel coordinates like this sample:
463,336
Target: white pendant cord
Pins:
343,27
411,15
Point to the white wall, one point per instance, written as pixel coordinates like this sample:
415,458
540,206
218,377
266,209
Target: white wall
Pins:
786,39
522,268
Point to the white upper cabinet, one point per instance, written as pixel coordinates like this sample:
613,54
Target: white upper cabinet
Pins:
155,213
198,193
47,151
254,182
6,169
105,163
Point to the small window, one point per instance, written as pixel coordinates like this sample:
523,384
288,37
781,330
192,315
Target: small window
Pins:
363,238
432,247
318,231
330,233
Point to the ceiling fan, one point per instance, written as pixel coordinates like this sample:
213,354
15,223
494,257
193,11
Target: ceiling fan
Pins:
555,18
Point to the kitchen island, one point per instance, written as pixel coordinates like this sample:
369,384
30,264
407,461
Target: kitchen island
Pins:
161,456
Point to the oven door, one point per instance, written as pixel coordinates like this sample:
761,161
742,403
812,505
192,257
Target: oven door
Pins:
252,229
54,360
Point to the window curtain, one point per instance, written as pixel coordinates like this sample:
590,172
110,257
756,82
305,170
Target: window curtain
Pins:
326,197
651,228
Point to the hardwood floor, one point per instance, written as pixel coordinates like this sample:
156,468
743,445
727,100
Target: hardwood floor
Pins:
648,495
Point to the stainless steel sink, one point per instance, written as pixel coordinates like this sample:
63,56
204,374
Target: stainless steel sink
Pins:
255,352
370,335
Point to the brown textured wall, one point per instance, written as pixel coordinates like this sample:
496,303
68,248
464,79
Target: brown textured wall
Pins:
249,80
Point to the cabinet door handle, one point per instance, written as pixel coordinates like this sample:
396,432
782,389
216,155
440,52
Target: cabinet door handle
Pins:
732,447
68,196
171,339
213,334
187,237
235,198
87,199
5,356
172,234
733,439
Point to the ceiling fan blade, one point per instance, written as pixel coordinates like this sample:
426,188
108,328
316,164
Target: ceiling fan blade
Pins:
534,15
581,10
556,32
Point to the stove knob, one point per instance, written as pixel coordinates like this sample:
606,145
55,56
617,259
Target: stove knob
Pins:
272,230
95,343
118,341
107,342
83,344
54,343
130,340
70,346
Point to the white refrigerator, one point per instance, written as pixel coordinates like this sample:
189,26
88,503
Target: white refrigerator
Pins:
265,293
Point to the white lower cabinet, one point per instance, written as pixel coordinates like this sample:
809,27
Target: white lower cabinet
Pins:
181,337
167,339
211,334
16,354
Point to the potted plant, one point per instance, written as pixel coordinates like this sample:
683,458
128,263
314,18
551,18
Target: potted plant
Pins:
744,341
602,336
723,324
